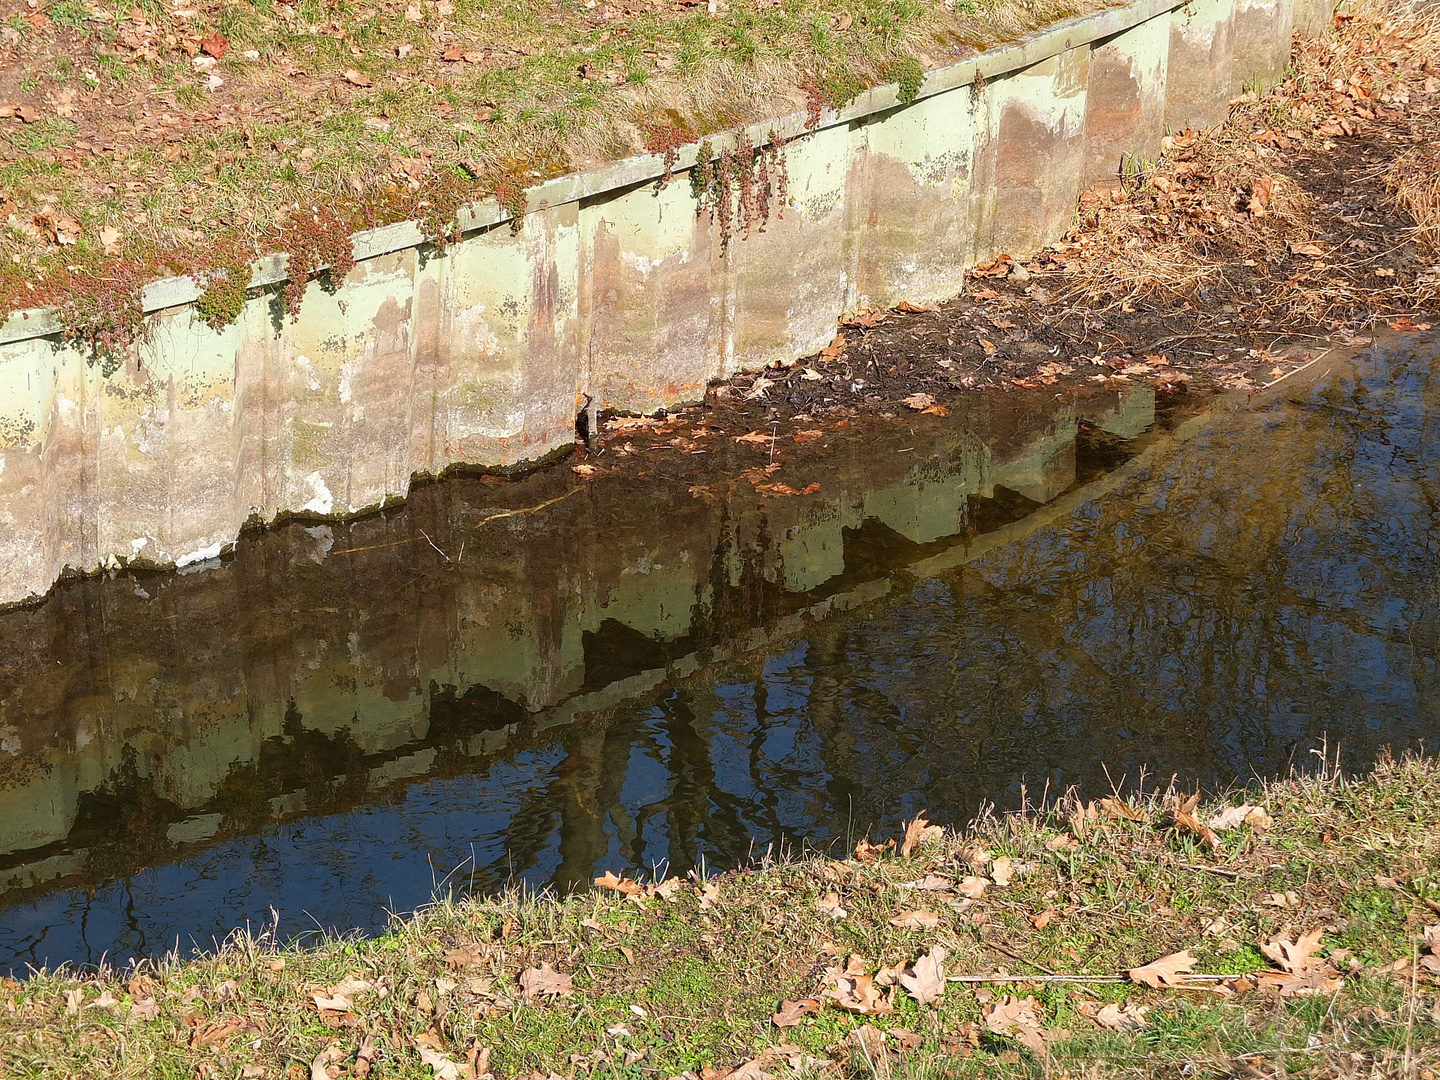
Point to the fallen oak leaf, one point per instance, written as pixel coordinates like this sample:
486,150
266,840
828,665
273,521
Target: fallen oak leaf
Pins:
924,980
215,45
544,981
1232,817
1164,972
920,402
1296,955
625,886
792,1013
444,1067
1127,1017
1186,821
912,309
918,833
856,993
916,919
356,78
322,1060
1019,1017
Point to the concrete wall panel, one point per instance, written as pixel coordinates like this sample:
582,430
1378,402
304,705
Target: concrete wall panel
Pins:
1200,78
1125,100
611,292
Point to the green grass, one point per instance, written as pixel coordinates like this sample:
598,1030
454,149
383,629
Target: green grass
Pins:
190,174
703,977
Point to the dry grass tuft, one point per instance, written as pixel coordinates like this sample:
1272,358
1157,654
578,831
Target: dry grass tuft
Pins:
1414,179
1239,214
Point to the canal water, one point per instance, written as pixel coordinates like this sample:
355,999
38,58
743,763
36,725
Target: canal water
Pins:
544,679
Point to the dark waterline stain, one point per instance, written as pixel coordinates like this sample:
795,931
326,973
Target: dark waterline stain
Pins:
342,721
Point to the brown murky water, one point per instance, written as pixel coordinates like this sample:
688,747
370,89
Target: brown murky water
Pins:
544,679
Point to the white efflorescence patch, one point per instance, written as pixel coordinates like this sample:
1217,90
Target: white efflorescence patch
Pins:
322,502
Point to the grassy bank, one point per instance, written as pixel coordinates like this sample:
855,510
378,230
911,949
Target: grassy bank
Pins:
142,139
1306,922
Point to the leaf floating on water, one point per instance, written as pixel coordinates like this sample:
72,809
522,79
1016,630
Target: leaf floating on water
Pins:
1165,972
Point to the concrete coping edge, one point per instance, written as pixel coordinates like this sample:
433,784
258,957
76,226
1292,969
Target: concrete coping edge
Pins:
628,172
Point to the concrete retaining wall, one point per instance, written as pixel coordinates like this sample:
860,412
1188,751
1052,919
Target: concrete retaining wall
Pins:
612,291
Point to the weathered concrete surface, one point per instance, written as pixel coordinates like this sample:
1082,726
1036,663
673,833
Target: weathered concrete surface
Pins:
618,298
1200,78
1125,100
909,197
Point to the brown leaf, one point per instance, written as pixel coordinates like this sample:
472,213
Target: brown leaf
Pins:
1232,817
834,350
452,55
1296,955
987,345
973,887
444,1067
26,114
1118,809
856,993
609,880
916,919
1002,870
793,1012
215,45
1186,821
1260,192
356,78
866,318
110,239
920,402
1115,1017
918,833
912,309
808,436
924,980
1313,250
756,438
544,981
829,904
1044,918
331,1053
865,851
1019,1017
1164,972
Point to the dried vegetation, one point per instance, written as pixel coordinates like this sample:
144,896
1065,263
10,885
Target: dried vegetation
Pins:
1277,209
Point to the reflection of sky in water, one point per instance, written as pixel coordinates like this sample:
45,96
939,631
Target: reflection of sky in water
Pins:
1274,581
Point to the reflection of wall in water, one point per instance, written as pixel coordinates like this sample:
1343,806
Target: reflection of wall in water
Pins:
190,684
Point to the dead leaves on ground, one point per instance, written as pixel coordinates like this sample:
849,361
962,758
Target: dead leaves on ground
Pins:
918,833
1166,972
544,982
1020,1018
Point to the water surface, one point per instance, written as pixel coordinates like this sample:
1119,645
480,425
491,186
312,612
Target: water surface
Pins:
546,679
